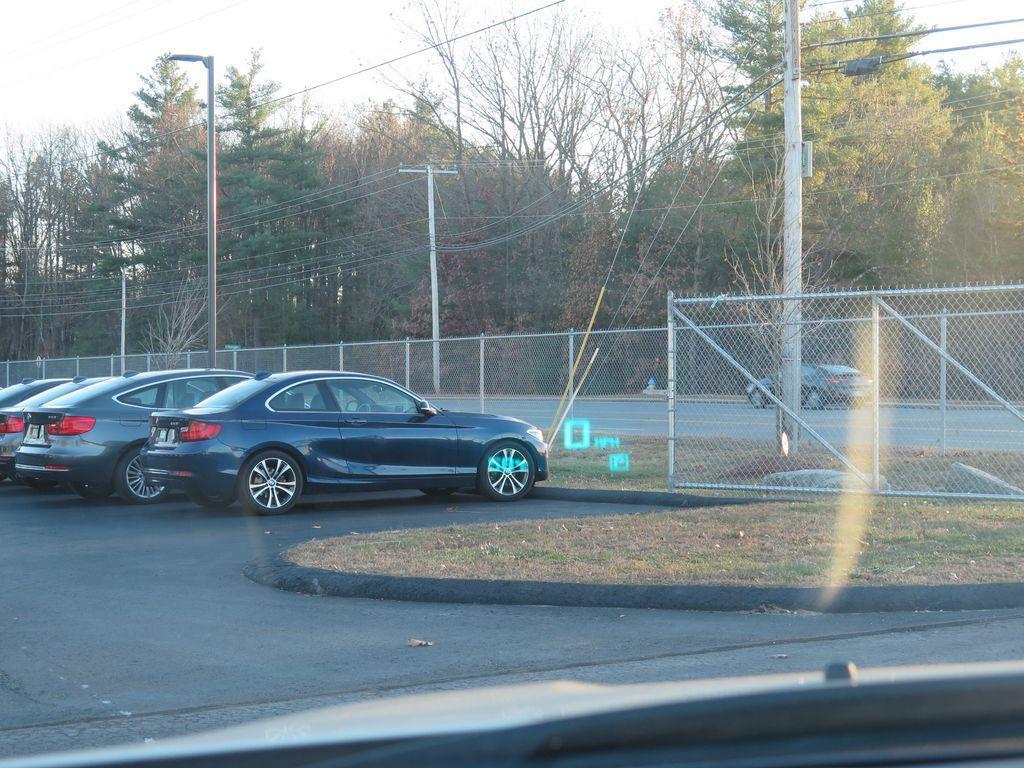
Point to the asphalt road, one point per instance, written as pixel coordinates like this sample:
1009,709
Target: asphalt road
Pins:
121,624
907,425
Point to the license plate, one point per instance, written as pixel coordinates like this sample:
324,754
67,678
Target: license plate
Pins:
34,436
165,436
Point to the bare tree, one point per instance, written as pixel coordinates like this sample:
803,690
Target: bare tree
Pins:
176,325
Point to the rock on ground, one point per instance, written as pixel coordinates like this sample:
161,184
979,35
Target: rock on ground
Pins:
961,478
817,478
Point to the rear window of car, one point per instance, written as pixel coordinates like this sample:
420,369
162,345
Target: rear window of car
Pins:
88,393
49,394
15,393
235,394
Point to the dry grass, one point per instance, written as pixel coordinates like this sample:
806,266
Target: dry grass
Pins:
746,462
763,544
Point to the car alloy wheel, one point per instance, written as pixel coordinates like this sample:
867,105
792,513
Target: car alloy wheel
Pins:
131,484
271,484
507,472
137,483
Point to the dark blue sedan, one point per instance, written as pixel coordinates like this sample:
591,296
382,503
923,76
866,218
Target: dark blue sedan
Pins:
267,441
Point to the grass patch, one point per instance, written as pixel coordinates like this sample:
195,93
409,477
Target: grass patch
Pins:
761,544
746,462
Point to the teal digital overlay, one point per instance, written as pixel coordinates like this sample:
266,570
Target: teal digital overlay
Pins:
618,462
570,441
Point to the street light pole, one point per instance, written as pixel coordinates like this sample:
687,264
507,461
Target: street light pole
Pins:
211,202
434,310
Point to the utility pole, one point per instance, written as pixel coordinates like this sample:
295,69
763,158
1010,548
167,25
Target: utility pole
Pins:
792,224
211,202
429,170
124,314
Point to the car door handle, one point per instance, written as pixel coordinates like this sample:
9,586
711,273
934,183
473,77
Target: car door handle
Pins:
354,422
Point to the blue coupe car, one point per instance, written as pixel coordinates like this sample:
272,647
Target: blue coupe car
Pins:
268,440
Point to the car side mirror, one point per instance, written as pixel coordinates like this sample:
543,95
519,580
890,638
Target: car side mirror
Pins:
426,408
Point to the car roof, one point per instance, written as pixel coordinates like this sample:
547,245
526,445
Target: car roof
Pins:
293,377
119,384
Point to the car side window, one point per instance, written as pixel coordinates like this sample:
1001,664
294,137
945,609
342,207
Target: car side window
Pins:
301,397
147,397
364,395
185,393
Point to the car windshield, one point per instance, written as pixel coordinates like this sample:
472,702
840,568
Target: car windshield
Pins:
459,365
52,394
235,394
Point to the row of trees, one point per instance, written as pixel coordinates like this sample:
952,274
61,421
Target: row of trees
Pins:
582,160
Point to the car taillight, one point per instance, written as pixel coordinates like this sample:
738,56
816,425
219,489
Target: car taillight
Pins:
199,430
68,426
832,379
12,425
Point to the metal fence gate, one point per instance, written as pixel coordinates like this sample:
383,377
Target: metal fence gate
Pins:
916,392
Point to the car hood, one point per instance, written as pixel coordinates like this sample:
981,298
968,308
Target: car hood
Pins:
476,416
484,709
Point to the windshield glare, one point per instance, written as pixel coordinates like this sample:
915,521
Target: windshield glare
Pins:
716,309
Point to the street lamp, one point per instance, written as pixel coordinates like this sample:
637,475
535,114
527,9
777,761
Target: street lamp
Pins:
211,200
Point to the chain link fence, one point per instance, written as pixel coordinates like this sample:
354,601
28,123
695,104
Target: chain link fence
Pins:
475,367
911,392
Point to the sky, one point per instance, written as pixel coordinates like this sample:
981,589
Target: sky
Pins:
78,61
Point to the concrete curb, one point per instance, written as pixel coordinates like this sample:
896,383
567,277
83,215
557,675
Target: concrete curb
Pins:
643,498
282,574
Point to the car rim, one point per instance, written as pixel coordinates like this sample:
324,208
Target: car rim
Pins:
508,471
272,483
137,482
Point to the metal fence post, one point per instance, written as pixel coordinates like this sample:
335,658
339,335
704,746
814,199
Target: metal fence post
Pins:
234,359
112,365
43,372
341,355
7,377
284,359
670,357
875,431
407,362
188,358
942,382
149,362
572,382
78,366
481,373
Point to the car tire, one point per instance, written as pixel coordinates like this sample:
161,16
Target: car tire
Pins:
259,496
38,484
502,475
438,492
131,485
91,491
206,501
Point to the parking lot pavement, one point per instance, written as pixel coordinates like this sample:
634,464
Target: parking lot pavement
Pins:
902,425
124,623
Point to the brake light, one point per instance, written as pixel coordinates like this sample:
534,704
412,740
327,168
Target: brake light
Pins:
12,425
832,379
199,430
68,426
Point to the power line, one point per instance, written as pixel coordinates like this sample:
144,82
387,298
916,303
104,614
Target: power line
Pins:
896,35
354,73
126,45
70,28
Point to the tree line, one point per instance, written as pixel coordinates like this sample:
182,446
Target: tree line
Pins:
585,160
